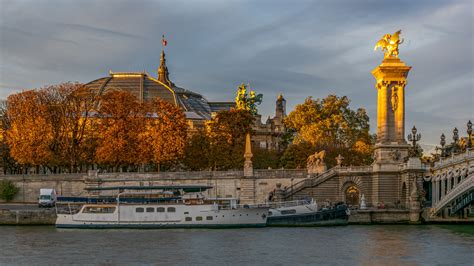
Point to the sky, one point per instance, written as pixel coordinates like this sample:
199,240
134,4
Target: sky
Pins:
296,48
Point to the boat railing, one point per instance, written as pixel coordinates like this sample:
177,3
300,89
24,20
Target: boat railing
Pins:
285,204
68,207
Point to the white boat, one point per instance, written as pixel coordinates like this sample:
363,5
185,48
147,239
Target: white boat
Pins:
159,210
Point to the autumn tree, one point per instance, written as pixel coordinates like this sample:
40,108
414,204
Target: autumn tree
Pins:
30,135
330,124
120,123
69,109
8,163
163,138
47,127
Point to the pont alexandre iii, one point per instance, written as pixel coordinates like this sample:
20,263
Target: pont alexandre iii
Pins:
395,178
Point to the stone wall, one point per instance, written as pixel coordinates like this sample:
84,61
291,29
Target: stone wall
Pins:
27,217
225,183
382,216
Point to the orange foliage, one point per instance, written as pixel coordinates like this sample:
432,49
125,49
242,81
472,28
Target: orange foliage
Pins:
132,133
164,137
121,121
30,135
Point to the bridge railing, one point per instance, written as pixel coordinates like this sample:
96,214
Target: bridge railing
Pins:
461,187
455,159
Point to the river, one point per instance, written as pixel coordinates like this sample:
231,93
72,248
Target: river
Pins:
345,245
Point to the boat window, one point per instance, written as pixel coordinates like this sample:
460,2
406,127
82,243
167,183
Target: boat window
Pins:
209,218
186,212
188,219
171,209
293,211
199,218
160,209
270,213
139,210
150,209
96,209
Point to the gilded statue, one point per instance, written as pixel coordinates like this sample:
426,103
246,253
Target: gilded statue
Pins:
244,101
389,44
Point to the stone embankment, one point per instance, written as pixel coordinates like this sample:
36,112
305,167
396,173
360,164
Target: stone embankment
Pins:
27,217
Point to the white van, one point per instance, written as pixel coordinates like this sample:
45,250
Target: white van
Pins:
47,197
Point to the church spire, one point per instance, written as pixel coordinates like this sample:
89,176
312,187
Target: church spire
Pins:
163,74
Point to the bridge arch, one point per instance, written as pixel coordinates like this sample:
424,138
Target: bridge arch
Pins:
351,190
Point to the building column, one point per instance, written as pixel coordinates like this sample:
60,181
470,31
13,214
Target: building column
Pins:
382,114
443,189
433,192
400,115
449,185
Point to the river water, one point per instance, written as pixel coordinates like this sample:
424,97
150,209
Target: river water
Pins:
344,245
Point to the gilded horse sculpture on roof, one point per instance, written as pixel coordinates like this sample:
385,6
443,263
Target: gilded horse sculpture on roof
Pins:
389,44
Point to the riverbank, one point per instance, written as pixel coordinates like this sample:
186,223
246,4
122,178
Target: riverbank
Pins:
31,215
27,217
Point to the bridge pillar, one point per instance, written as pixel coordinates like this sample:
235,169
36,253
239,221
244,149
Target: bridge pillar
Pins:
391,147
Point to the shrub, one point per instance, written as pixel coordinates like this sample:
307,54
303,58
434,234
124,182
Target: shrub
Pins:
8,190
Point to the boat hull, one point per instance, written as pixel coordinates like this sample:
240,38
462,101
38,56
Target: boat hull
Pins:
158,226
336,216
181,216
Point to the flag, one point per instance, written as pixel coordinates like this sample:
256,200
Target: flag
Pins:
164,41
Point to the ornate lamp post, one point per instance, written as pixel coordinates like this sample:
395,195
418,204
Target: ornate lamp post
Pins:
469,133
442,142
414,138
455,139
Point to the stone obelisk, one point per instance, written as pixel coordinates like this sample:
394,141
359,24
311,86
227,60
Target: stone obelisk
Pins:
248,166
248,193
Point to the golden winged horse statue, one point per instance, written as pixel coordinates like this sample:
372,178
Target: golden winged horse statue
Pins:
389,44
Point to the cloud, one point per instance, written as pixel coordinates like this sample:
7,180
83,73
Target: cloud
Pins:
296,48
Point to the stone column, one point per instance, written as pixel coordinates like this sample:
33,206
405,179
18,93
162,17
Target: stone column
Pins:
382,118
443,189
400,114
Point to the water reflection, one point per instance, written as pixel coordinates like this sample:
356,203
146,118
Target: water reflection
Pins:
353,245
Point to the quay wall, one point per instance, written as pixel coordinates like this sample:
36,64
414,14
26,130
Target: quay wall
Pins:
379,216
27,217
224,183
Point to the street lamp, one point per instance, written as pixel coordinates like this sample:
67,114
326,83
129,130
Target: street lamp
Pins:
455,139
414,138
469,133
442,142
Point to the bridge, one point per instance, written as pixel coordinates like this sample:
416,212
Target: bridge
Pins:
452,182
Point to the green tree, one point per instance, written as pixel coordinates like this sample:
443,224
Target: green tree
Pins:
330,124
226,132
197,152
295,156
8,190
265,158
